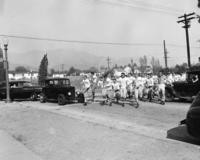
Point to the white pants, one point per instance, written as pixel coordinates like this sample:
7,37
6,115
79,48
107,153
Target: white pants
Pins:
161,88
123,92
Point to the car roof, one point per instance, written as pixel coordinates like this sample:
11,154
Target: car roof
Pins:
56,78
16,81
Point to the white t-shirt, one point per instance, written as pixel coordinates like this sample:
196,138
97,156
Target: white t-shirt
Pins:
140,81
116,86
86,83
123,82
137,82
130,80
108,83
100,83
150,82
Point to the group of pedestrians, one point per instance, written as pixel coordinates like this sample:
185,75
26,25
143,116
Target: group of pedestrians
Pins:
126,87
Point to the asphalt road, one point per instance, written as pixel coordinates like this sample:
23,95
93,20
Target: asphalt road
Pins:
96,132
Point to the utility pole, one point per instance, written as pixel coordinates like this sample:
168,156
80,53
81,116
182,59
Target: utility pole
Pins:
108,61
62,67
8,100
165,54
185,19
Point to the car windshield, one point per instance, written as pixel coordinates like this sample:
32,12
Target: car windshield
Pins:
64,82
59,82
27,84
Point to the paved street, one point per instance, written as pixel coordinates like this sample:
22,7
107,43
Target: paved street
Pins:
97,132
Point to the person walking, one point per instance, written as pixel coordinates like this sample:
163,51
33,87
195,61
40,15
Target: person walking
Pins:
161,87
136,86
86,87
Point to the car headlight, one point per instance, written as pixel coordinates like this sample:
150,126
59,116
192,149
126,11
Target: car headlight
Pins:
69,93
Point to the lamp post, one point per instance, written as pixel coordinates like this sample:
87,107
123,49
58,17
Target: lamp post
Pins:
5,41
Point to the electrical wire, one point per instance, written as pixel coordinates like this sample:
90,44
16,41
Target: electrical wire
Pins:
78,41
90,42
148,7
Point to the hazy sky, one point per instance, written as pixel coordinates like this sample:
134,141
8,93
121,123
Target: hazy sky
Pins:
124,21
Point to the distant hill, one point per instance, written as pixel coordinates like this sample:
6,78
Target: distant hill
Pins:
77,59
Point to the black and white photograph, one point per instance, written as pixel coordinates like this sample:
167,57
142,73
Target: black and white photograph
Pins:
99,80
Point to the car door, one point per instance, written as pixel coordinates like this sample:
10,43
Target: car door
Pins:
27,90
50,90
194,86
16,90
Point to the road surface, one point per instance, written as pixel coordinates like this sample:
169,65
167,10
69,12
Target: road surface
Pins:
96,132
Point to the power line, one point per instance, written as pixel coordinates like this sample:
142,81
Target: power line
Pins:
152,5
89,42
78,41
145,7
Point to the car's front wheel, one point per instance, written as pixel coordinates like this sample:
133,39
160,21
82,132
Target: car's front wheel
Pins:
33,97
42,98
81,98
168,96
61,99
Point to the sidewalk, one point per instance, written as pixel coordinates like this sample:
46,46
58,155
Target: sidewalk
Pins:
10,149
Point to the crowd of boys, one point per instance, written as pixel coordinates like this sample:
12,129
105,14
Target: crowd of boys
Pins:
129,86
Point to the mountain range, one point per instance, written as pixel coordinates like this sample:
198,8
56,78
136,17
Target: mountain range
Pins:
62,59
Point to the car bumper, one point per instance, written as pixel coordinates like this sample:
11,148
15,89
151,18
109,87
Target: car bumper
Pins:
193,123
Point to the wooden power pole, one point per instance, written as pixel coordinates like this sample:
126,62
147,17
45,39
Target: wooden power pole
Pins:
165,55
185,19
108,61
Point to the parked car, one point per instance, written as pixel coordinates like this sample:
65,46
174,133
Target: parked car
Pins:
193,118
60,90
20,89
185,90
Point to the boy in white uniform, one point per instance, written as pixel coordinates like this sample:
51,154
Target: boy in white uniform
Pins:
161,87
116,88
130,80
86,87
86,83
136,89
123,85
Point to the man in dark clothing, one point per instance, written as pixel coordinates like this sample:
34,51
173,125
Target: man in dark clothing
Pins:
199,3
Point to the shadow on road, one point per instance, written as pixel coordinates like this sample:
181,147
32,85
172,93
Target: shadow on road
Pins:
180,133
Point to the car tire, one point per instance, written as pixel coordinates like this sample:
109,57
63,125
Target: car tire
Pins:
42,98
168,96
81,98
33,97
61,99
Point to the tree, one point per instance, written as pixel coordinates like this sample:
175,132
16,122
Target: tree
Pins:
43,70
180,68
92,69
155,63
143,63
71,71
52,71
21,69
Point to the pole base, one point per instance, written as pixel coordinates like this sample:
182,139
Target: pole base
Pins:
8,100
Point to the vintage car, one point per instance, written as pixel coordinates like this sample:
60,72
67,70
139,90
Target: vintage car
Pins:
193,118
20,89
184,90
60,90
